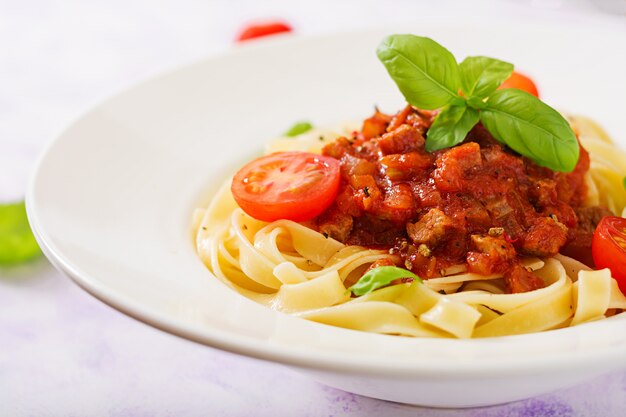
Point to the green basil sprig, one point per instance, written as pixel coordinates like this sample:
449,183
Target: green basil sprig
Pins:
513,116
17,243
430,78
425,72
450,127
380,277
481,75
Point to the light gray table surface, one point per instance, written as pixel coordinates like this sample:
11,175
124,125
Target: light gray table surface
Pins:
62,352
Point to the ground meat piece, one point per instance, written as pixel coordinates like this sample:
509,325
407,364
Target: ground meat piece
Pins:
505,166
399,118
335,224
519,279
421,119
347,201
454,165
338,148
545,237
504,216
495,246
398,204
543,193
493,255
589,217
471,212
406,166
367,194
404,139
431,229
580,237
562,212
375,125
372,231
571,187
352,165
427,194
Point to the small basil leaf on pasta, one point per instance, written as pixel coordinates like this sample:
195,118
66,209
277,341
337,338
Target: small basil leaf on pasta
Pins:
298,129
380,277
450,127
531,128
17,243
481,75
426,73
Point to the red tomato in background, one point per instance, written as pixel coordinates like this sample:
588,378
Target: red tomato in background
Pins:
259,30
521,82
609,248
287,185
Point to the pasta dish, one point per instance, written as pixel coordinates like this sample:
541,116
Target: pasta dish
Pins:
475,211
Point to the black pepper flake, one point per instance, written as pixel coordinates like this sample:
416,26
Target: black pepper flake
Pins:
325,235
321,138
203,228
245,227
366,190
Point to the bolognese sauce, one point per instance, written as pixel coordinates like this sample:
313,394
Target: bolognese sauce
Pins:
479,203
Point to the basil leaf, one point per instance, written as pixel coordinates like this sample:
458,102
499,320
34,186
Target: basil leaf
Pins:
426,73
17,243
481,75
450,127
532,128
298,129
379,277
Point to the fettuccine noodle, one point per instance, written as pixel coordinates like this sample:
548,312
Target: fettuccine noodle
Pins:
294,269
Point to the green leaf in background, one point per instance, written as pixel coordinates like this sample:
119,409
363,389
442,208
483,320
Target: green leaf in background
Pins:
298,129
426,73
379,277
450,127
531,128
17,243
481,75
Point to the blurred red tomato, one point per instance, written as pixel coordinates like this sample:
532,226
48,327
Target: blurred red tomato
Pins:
258,30
522,82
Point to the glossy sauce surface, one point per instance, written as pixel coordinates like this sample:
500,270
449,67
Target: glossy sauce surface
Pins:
478,203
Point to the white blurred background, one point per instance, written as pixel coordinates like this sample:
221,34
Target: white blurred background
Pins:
58,58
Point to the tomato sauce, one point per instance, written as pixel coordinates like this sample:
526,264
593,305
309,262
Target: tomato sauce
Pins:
478,203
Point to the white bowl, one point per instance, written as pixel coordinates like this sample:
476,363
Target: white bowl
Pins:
112,199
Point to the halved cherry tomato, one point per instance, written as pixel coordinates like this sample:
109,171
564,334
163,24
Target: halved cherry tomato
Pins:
609,248
287,185
262,29
520,81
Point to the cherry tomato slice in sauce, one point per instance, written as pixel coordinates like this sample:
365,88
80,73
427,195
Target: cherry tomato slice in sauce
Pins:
296,186
262,29
609,248
521,82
